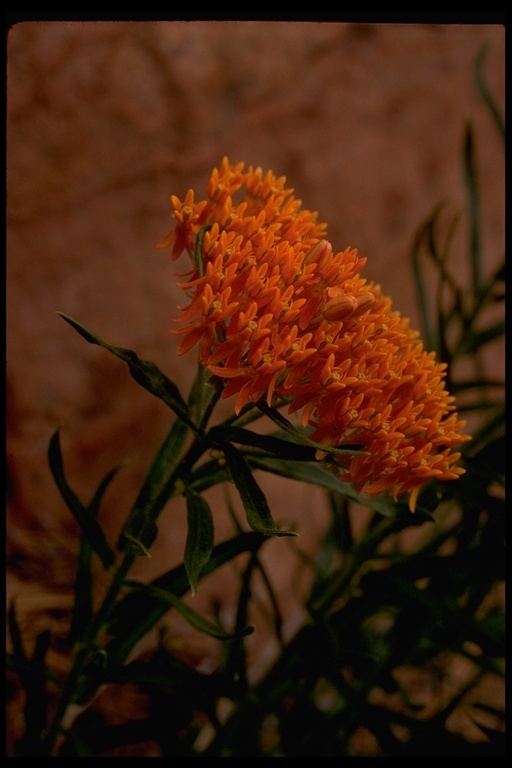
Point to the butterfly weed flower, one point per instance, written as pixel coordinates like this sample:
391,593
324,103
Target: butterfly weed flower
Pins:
275,311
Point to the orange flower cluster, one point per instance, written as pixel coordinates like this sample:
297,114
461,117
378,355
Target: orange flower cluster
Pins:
276,312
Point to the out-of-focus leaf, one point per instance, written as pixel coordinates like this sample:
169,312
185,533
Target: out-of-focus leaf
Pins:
492,287
485,93
477,339
82,607
255,504
33,675
194,619
489,462
136,614
199,543
494,425
18,661
462,386
86,520
37,698
474,210
29,668
478,406
422,292
164,669
76,746
18,652
144,372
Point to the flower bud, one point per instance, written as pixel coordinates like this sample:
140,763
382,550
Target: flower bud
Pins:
319,254
364,302
340,307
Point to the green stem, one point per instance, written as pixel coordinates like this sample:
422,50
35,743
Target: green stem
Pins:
88,645
361,554
84,650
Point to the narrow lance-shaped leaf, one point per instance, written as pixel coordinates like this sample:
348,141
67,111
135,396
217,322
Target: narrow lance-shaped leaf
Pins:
199,544
88,524
485,93
82,608
144,372
18,661
269,443
455,311
474,210
316,474
420,282
19,654
287,426
136,614
37,697
194,619
235,663
255,504
477,339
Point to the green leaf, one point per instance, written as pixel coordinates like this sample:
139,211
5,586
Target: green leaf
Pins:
472,342
82,607
29,669
207,475
33,676
474,209
162,672
461,386
137,614
255,504
199,544
37,698
144,372
19,662
283,448
204,395
315,474
88,524
485,93
18,652
422,292
287,426
494,425
194,619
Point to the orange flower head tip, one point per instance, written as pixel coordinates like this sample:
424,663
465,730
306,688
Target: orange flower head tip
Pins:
413,498
319,254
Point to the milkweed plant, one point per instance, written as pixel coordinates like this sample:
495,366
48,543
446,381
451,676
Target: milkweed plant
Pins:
292,334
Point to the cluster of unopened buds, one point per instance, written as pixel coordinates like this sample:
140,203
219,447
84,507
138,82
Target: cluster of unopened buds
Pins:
278,315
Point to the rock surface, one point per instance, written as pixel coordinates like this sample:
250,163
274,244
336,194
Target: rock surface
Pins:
106,121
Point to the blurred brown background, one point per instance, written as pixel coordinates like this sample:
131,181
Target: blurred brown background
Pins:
107,120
